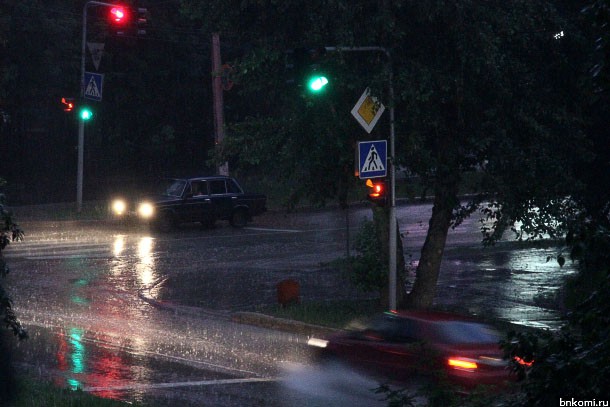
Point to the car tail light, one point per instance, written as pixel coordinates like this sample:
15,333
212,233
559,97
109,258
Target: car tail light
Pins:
462,363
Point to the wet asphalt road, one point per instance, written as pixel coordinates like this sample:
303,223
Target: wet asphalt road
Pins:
129,314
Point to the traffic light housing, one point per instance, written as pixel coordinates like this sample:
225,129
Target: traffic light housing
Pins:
141,21
68,104
294,61
119,17
378,192
130,21
317,79
305,67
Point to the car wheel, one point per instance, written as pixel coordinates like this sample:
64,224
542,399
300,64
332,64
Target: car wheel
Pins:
239,218
165,223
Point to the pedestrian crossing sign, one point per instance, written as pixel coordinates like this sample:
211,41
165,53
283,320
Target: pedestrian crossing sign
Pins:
92,86
373,157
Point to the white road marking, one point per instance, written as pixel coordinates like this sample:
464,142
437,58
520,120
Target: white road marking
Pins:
141,386
38,251
273,230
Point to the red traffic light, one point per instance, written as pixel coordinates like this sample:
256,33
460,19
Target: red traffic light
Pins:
68,104
377,190
378,193
118,15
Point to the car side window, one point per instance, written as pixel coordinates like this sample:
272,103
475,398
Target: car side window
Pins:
394,329
199,188
217,187
233,187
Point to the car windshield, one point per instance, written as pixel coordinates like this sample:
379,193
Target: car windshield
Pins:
172,187
465,332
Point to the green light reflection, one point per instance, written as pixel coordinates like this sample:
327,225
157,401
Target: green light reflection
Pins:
78,354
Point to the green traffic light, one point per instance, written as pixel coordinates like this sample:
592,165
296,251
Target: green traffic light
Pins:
86,114
317,83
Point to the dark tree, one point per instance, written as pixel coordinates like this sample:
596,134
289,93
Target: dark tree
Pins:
9,232
480,88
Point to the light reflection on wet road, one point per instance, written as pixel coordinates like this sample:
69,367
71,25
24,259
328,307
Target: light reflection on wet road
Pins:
98,298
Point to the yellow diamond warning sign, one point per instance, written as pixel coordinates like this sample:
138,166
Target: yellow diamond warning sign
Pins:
368,110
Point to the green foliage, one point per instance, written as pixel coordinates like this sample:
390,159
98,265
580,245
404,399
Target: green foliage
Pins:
396,397
367,270
598,12
477,87
295,139
573,363
440,393
304,142
496,91
9,232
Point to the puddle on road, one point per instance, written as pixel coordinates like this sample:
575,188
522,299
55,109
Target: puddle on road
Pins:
515,286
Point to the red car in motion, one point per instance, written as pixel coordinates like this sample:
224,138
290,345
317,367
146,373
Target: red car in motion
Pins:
400,344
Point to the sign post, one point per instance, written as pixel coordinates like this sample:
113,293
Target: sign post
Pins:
392,216
81,125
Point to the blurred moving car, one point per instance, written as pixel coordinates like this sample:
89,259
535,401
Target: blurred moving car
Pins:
197,199
399,345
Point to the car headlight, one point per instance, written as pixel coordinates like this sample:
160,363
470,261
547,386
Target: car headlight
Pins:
119,207
146,210
316,342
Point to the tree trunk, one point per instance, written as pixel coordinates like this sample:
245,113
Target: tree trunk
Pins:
446,184
428,269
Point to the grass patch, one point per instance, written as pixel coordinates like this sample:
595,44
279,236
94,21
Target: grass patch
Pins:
333,314
31,393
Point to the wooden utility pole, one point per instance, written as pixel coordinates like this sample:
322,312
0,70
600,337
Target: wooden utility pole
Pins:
222,169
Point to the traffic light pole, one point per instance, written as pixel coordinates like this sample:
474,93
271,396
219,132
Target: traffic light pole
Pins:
81,123
393,235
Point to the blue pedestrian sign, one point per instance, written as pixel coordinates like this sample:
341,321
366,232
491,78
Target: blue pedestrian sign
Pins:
373,157
92,86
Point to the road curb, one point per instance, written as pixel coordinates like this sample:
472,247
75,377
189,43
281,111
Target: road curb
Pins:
281,324
244,317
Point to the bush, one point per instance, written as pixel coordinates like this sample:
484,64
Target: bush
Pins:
573,363
9,232
367,270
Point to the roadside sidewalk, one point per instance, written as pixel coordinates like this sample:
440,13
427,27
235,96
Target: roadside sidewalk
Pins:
243,317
